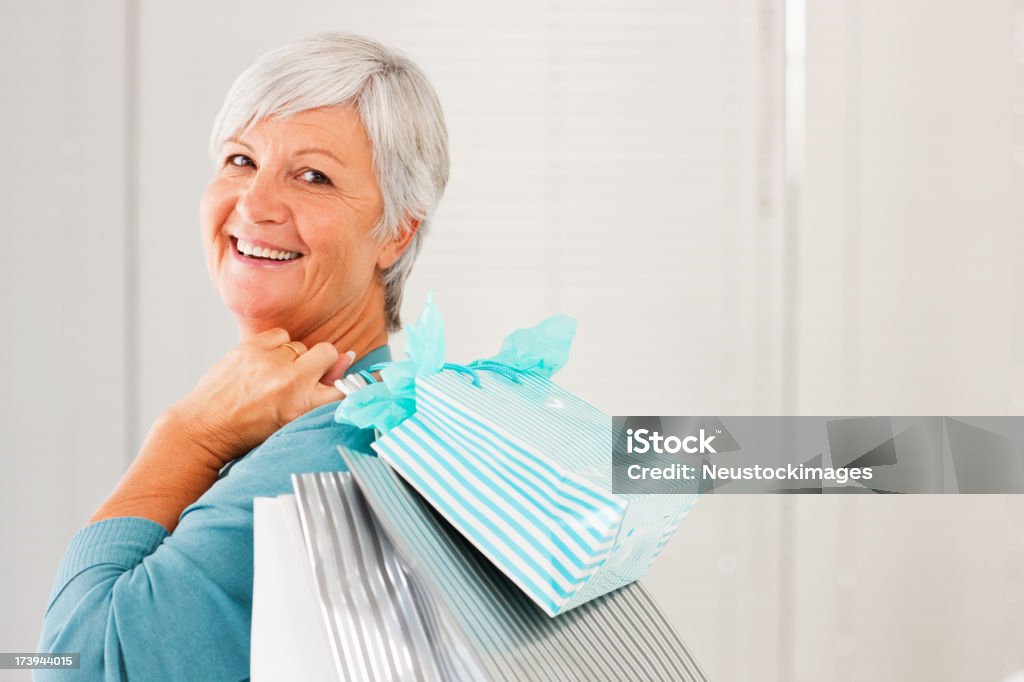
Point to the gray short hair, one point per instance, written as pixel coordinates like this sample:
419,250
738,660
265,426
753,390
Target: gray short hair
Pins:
398,107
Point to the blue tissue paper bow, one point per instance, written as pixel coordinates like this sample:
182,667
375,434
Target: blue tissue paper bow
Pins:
540,350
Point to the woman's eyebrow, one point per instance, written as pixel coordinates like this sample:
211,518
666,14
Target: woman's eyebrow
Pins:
238,142
300,152
319,150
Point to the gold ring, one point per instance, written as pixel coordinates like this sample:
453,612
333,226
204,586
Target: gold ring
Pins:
291,347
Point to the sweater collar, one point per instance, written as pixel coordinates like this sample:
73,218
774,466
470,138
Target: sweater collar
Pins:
379,354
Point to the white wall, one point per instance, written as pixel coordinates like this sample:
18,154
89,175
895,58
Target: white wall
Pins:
63,293
908,282
620,163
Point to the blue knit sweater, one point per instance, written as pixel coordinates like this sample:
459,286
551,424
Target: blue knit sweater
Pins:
140,604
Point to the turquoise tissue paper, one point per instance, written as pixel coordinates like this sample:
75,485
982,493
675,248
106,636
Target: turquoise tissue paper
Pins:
541,350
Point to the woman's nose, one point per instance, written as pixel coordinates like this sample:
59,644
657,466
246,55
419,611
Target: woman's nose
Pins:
260,201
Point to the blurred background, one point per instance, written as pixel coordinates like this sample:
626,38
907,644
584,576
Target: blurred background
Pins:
751,207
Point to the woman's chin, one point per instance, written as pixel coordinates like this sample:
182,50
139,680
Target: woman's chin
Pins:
255,307
258,293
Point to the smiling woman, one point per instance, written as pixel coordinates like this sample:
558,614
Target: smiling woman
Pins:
331,155
289,227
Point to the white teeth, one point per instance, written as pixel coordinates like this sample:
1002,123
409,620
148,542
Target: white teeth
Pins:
250,249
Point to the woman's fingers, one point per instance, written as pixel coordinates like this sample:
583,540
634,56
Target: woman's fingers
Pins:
322,360
295,349
271,338
337,370
317,359
328,366
323,395
261,385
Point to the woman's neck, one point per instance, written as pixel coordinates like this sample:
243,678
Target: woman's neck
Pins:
359,327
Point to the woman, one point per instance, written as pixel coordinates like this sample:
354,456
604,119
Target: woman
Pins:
331,155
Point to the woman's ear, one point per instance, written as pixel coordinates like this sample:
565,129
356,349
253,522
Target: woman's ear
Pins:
393,250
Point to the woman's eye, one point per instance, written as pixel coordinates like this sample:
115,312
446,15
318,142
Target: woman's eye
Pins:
239,160
316,177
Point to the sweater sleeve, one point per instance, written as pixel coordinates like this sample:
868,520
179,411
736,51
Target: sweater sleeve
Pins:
140,604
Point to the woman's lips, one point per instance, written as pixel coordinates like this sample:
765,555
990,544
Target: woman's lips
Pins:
257,261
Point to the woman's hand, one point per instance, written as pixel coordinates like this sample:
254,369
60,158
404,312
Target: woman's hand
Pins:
255,389
258,387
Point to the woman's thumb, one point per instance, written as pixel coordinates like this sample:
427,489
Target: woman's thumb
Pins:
337,370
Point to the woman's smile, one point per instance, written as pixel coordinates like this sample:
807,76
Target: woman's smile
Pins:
256,253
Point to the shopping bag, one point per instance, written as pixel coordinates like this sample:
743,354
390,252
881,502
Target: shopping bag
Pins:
333,602
288,640
403,596
517,464
523,470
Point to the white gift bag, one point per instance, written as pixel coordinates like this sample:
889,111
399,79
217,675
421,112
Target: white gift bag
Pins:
288,638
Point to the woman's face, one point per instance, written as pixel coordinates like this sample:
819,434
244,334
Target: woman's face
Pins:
287,217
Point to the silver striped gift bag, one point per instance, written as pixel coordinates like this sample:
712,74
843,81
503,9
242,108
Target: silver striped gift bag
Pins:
404,596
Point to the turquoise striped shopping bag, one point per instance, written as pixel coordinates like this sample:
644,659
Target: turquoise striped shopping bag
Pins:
522,468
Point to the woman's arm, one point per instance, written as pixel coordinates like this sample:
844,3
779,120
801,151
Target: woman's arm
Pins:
173,469
254,390
140,604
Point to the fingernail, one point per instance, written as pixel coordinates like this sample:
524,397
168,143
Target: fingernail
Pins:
351,354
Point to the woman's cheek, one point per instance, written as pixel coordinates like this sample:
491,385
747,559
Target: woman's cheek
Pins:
208,215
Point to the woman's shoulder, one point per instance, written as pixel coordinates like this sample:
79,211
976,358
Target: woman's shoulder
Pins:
307,444
318,421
